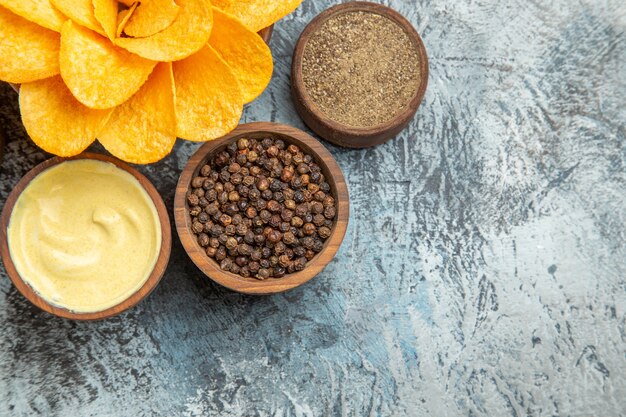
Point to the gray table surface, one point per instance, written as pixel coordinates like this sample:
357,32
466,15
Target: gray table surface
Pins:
483,272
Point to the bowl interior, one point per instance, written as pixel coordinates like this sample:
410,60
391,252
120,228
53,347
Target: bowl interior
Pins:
148,286
338,188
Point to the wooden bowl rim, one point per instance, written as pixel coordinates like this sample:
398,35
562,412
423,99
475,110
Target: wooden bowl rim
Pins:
135,298
350,136
236,282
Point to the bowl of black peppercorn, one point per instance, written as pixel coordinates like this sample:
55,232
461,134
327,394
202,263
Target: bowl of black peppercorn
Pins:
263,209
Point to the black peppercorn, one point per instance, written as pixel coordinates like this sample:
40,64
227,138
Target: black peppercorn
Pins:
316,207
245,249
287,173
241,229
298,158
220,254
273,206
242,143
262,184
299,264
289,238
197,182
251,212
203,239
234,167
259,239
284,227
225,219
197,227
275,220
296,183
210,195
272,151
248,181
297,221
254,266
279,196
249,237
205,170
286,215
261,204
274,236
254,194
193,199
319,220
324,232
318,245
290,204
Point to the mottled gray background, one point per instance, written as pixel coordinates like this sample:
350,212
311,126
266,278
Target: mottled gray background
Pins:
483,272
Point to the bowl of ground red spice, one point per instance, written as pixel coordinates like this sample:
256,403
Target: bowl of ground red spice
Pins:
263,209
359,73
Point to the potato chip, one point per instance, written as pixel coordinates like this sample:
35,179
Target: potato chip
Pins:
55,120
98,73
143,129
105,12
80,11
152,17
209,101
37,11
189,32
244,51
127,3
122,19
257,14
29,52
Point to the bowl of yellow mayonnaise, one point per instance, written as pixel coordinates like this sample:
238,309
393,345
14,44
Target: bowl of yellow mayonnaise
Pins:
85,238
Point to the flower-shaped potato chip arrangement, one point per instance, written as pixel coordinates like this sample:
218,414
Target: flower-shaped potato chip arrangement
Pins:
134,74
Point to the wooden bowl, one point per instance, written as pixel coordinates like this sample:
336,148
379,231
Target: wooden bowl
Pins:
337,133
266,34
149,285
333,176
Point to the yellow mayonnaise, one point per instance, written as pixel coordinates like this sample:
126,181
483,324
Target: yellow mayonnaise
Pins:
85,235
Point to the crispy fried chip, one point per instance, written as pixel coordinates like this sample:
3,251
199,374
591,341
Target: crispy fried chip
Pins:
151,17
28,51
99,74
55,120
105,12
127,3
208,98
37,11
189,32
244,51
122,19
143,130
257,14
80,11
